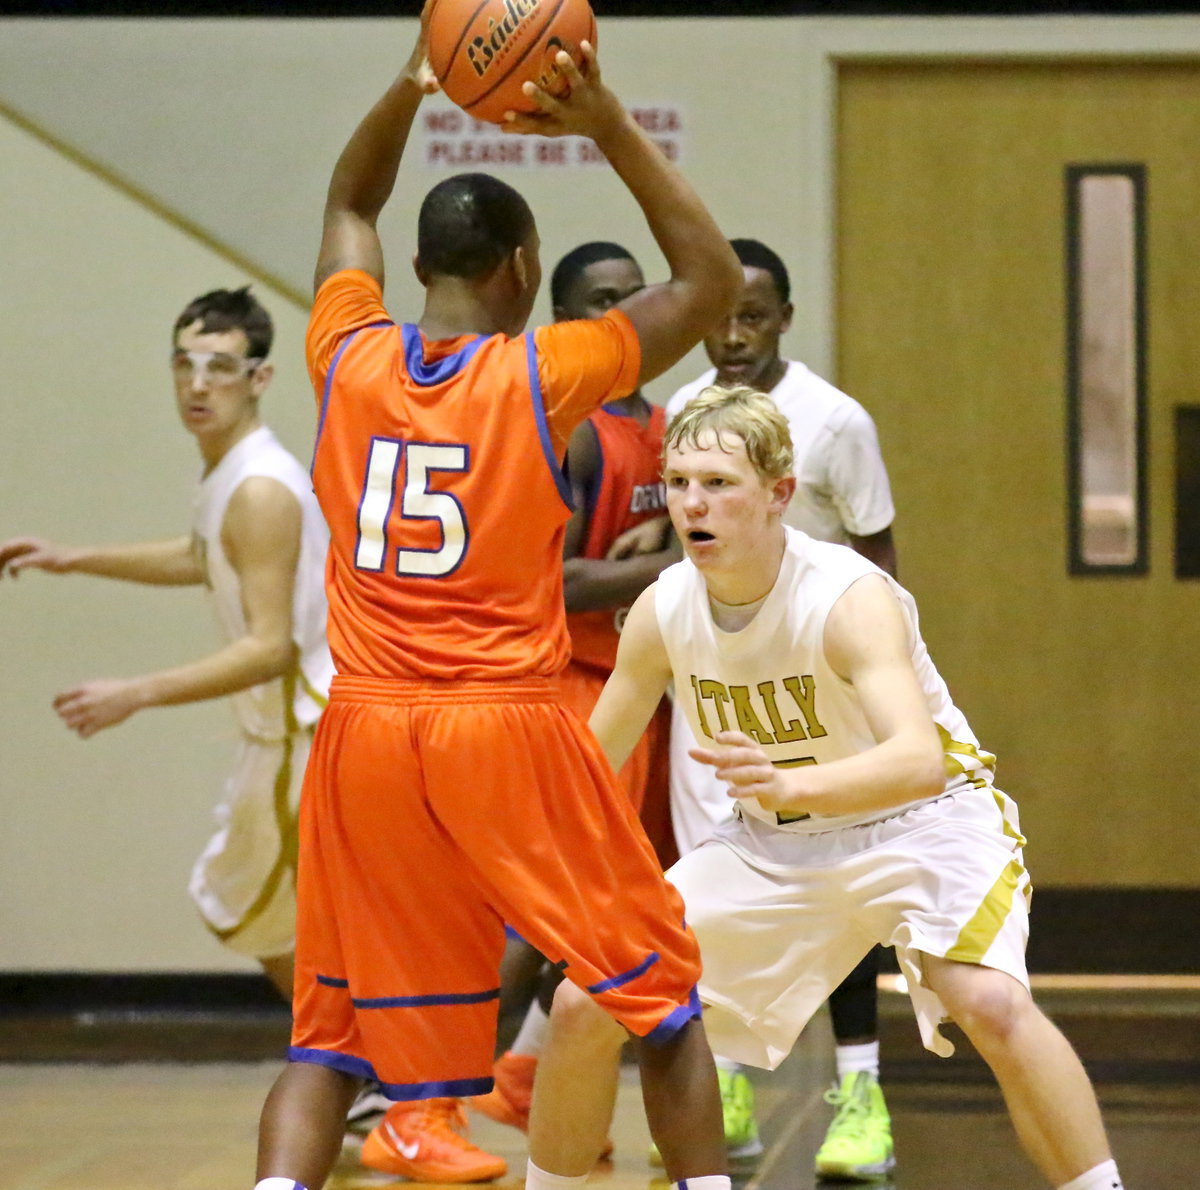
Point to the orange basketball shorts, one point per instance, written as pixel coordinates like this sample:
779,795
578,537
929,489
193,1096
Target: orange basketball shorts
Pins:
433,813
645,775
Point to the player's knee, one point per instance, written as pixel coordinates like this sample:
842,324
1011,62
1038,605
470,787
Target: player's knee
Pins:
578,1019
990,1007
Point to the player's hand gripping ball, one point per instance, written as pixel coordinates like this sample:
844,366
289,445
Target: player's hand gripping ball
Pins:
484,51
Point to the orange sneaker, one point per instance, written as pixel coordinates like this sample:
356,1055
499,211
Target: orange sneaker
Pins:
425,1140
508,1102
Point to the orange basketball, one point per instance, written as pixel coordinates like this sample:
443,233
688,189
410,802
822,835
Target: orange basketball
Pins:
484,51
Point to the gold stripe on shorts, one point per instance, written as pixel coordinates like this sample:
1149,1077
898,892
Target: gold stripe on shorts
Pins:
976,937
289,842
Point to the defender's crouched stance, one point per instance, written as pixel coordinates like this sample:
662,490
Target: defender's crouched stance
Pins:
865,807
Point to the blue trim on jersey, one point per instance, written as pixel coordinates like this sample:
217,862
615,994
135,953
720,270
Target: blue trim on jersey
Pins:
543,426
426,1001
337,355
592,495
330,981
675,1020
625,977
427,375
613,411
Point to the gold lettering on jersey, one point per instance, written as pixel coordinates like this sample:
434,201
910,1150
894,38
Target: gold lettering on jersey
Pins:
783,734
748,721
700,708
714,690
804,692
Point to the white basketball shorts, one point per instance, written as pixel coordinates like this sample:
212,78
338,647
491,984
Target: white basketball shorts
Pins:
778,934
244,882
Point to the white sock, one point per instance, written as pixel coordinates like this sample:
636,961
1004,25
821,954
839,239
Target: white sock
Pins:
532,1034
854,1058
723,1064
1100,1177
712,1181
539,1179
278,1184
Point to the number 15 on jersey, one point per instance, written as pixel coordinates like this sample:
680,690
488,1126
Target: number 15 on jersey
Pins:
408,467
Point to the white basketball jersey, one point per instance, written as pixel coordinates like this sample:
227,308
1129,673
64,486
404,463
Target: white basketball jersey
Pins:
273,709
771,680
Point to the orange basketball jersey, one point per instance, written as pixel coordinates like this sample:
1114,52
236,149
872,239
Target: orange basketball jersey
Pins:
628,490
437,468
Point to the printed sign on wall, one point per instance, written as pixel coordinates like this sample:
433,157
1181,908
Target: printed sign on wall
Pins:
453,140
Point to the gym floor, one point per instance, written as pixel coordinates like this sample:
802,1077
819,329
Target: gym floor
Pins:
171,1125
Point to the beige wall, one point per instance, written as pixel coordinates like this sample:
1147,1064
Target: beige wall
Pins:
232,127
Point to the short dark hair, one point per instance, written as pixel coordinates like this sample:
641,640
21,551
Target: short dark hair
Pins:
570,268
756,255
468,224
222,310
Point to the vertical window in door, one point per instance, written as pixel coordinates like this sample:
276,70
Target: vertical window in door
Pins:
1106,424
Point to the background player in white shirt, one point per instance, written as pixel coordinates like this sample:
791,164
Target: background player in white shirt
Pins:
865,807
258,543
842,495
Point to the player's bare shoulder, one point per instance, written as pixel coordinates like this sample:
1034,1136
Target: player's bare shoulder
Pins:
641,641
263,515
866,624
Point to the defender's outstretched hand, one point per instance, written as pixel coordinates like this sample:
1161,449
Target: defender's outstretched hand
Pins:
745,768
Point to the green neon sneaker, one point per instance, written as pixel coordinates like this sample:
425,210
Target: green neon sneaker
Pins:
737,1109
858,1145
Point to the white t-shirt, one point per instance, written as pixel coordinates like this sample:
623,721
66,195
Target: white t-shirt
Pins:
842,485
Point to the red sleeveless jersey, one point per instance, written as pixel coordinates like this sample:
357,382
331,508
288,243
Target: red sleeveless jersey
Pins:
437,469
628,490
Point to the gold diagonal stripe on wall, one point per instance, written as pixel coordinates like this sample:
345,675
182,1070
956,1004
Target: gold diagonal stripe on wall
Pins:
155,206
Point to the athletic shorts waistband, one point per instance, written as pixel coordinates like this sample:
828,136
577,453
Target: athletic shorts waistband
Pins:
404,691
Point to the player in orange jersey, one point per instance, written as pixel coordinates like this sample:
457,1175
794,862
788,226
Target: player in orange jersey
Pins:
614,462
449,789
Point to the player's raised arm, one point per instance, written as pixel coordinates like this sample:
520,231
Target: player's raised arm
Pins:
637,683
672,317
366,170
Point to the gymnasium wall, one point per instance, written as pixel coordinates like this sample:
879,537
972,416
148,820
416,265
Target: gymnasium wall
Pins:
144,161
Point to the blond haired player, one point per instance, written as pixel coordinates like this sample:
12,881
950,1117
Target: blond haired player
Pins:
865,809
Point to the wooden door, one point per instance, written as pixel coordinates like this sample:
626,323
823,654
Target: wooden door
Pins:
952,330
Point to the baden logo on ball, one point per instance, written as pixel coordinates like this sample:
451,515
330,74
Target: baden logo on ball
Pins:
484,51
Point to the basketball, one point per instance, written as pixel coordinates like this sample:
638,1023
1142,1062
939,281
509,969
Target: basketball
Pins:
484,51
